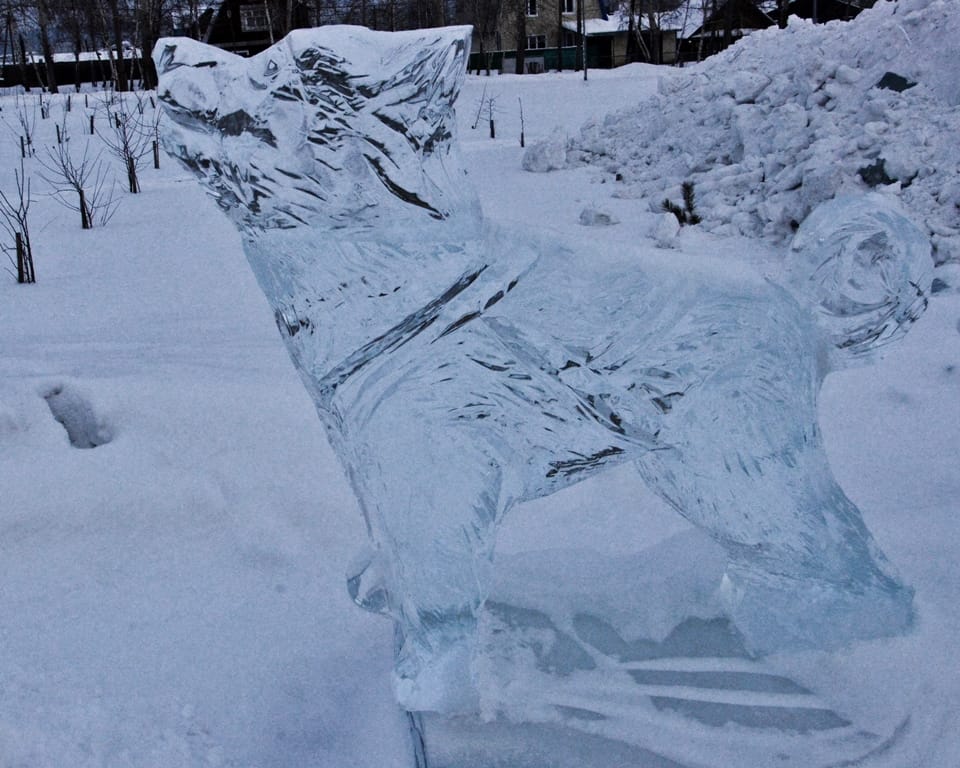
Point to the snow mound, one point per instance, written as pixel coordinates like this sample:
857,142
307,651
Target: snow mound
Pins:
789,118
73,410
550,154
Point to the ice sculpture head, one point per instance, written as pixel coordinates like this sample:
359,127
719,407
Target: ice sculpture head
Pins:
336,128
864,268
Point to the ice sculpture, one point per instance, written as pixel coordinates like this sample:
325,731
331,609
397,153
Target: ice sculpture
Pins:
460,369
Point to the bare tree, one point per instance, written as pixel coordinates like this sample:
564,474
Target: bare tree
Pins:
73,24
559,35
648,44
80,184
729,16
582,30
190,11
129,135
14,212
152,20
44,21
482,14
702,10
635,41
107,18
521,10
25,110
656,36
12,49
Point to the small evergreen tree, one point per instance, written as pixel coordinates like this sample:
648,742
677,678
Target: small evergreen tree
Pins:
687,213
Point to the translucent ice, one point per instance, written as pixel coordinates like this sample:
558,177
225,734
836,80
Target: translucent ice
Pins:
460,369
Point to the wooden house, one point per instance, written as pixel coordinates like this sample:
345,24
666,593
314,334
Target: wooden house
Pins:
551,36
727,23
245,28
822,11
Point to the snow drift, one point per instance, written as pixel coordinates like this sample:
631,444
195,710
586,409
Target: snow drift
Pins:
789,118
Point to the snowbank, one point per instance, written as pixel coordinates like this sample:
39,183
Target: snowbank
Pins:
788,118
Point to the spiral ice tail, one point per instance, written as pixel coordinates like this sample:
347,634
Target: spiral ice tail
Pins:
865,269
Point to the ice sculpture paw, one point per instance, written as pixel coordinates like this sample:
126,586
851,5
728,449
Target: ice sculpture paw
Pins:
460,369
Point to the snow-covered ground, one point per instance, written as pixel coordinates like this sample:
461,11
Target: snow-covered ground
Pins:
175,596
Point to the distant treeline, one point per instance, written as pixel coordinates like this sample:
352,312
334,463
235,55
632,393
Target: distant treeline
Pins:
70,74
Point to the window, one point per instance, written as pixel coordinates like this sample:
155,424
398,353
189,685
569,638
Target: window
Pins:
535,42
569,6
532,8
569,38
253,18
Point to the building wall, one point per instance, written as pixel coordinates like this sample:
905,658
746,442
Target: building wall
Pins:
619,51
543,32
249,26
543,27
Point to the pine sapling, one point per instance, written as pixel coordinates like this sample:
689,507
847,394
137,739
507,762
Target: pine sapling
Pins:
671,207
686,214
689,202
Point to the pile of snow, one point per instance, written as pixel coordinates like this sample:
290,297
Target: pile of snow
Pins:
789,118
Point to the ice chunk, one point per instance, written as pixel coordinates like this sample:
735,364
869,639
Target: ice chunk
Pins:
549,154
460,369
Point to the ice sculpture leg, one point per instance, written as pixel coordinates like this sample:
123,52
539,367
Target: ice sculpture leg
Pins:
748,466
459,369
433,496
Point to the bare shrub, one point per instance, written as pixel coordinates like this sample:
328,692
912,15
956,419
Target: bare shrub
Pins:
81,183
128,134
24,124
14,212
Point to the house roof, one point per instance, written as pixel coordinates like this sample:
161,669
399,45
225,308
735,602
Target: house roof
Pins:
619,22
827,10
594,27
746,18
685,20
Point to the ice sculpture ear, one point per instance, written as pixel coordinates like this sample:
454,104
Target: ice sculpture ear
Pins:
173,52
865,269
426,67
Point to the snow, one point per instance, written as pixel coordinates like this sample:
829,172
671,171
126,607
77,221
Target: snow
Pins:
593,27
176,595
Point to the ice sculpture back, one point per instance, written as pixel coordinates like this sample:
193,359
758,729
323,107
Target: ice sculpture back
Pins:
460,369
